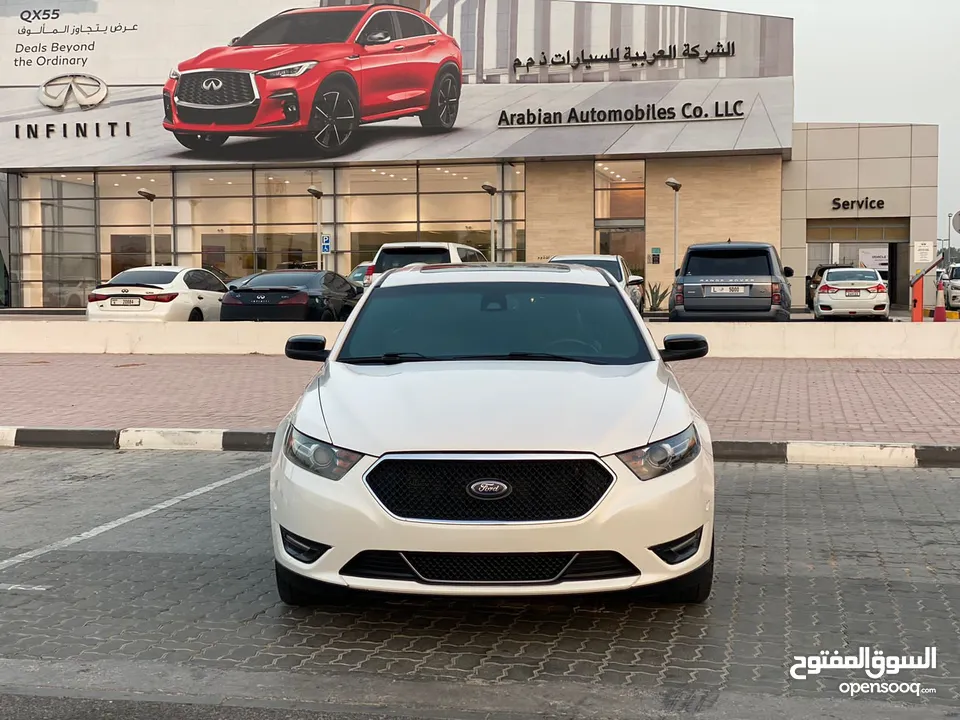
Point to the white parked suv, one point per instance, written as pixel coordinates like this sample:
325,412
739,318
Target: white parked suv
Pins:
396,255
613,264
493,465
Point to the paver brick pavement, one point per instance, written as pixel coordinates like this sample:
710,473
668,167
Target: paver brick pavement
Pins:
897,401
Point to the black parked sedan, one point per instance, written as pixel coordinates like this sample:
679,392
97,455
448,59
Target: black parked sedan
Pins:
292,295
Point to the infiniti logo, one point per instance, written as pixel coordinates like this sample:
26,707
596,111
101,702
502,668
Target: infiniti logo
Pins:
213,83
261,297
489,489
86,90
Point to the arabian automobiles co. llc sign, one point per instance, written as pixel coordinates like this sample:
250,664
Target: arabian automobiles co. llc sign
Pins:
651,112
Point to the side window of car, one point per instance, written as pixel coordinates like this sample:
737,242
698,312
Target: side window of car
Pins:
410,25
213,283
339,284
194,280
381,22
478,257
465,255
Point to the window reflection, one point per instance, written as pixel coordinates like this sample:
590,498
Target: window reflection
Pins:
72,229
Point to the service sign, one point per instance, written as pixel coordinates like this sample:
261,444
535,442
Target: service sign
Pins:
135,82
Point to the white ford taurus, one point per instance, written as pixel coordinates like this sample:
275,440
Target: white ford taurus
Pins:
493,430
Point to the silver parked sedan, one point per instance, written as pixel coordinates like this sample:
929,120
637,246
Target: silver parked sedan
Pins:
852,292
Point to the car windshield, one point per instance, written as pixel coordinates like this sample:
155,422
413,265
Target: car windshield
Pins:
283,279
144,277
516,320
390,258
955,273
358,272
303,28
720,263
611,266
851,275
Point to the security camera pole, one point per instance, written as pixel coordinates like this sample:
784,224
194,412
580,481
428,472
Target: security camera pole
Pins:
492,192
317,193
150,197
675,186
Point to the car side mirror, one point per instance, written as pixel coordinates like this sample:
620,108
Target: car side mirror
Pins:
312,348
634,280
377,38
788,272
676,273
683,347
234,41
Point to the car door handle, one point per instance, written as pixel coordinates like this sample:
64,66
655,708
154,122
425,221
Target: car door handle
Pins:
431,42
199,297
353,57
398,48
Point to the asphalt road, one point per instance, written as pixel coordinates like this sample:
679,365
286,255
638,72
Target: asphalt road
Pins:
139,585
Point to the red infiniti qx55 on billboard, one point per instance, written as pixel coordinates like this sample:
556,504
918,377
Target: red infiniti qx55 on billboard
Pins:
317,74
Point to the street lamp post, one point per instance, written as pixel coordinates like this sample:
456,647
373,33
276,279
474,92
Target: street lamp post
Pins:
150,197
949,238
492,192
675,186
317,194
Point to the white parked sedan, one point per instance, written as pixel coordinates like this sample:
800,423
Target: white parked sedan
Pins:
160,293
852,292
491,466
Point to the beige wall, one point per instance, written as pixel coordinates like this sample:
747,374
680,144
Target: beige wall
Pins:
559,207
894,163
722,197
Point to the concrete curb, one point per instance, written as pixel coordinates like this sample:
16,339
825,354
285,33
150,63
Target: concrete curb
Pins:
783,453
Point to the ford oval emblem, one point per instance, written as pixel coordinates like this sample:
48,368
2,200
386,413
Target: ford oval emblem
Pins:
489,489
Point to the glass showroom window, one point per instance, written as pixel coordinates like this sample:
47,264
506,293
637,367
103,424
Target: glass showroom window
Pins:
124,220
214,220
456,205
57,239
620,202
289,219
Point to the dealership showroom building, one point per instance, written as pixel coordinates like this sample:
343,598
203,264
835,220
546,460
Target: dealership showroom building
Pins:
819,192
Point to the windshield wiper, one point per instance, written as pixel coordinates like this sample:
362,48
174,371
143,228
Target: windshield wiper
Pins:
388,359
527,356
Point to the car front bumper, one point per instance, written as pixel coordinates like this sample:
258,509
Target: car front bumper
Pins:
837,305
631,518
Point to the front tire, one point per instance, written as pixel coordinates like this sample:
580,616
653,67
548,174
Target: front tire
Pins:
334,120
444,103
200,141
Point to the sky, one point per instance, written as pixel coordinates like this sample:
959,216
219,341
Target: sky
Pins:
875,61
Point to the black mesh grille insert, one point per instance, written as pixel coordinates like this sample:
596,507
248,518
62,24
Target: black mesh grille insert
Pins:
223,87
540,490
489,567
233,116
495,568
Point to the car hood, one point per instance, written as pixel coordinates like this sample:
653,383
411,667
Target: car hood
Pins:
493,407
263,57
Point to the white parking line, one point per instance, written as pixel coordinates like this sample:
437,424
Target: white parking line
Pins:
29,588
100,529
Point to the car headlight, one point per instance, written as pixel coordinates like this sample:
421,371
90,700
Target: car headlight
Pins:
663,456
288,70
174,74
318,457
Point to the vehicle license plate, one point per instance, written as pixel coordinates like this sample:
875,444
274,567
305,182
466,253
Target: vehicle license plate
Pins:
853,293
124,301
728,289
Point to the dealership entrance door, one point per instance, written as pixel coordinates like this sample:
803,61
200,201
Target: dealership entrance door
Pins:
626,239
880,243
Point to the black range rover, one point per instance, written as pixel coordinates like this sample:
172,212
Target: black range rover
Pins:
732,282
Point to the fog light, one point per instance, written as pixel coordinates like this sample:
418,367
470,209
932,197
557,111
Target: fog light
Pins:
299,548
683,548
